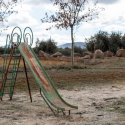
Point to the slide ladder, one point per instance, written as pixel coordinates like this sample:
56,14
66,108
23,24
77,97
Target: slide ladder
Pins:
9,69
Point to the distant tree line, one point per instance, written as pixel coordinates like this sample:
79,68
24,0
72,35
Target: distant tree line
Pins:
50,46
105,41
1,50
67,51
8,50
102,40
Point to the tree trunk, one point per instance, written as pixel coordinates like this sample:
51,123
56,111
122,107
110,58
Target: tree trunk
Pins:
72,48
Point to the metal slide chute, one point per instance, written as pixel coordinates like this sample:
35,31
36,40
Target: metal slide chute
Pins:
42,78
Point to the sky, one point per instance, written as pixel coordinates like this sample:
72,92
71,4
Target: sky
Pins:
30,13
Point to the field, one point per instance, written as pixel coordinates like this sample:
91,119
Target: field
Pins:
97,89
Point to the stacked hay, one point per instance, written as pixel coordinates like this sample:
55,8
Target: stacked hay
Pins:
46,55
88,53
121,53
6,55
99,54
58,54
108,54
77,55
43,54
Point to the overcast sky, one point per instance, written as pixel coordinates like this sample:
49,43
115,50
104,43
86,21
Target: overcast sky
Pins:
30,13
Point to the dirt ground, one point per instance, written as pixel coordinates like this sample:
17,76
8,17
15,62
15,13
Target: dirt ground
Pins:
98,91
93,107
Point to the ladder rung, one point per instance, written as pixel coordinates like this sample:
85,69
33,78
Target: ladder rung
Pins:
12,71
9,86
7,93
14,63
10,79
15,56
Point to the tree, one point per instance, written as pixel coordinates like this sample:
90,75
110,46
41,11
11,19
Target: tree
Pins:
102,41
6,9
90,43
105,42
51,46
48,46
115,42
123,41
42,46
70,15
79,50
37,45
2,50
66,51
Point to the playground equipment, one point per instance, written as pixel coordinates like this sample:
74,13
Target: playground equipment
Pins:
10,69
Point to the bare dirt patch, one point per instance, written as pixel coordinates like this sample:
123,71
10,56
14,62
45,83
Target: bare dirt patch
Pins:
91,100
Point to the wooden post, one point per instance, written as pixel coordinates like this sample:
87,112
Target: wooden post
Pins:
94,47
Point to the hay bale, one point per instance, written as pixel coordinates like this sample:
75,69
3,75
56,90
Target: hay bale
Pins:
64,56
41,53
46,55
88,53
5,55
99,54
57,54
121,53
77,55
108,54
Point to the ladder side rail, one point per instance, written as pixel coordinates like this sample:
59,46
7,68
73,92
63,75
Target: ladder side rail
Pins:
13,74
2,90
4,85
7,69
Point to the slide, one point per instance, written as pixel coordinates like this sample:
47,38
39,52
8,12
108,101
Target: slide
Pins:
43,79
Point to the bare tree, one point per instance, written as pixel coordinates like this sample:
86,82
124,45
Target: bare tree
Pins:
6,9
71,14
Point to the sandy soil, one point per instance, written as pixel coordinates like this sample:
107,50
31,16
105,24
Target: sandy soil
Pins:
89,99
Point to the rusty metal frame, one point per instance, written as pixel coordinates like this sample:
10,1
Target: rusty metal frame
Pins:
27,80
16,75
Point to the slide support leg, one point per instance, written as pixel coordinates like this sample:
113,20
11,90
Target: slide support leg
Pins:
63,112
27,80
69,112
47,102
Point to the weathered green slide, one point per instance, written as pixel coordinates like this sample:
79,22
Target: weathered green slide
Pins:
42,78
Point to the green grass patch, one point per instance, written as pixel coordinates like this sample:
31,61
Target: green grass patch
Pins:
122,110
117,106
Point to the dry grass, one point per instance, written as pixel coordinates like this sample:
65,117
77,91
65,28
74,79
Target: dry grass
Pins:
66,77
